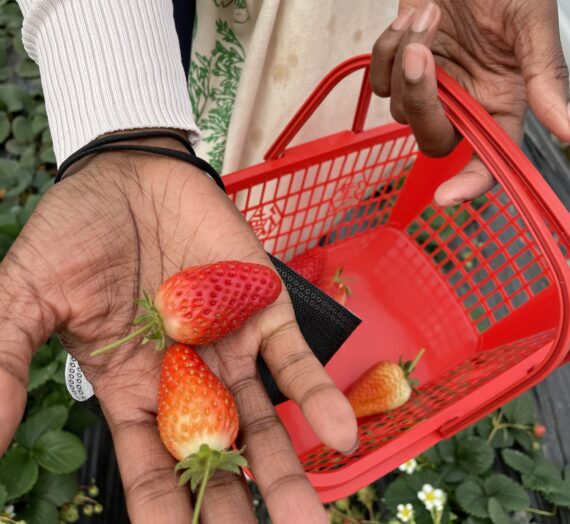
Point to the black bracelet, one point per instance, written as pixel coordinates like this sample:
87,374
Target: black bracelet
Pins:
109,144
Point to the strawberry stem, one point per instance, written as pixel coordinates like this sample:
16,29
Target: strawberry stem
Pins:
123,340
198,467
200,496
414,362
152,328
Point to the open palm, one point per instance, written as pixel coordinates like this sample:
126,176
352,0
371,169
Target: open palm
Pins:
97,240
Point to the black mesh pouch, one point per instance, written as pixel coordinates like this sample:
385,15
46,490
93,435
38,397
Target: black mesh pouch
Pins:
324,323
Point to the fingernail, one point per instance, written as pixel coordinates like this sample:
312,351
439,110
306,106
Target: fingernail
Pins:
353,450
414,62
403,19
424,18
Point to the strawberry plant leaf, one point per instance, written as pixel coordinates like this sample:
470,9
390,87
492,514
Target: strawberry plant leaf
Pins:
518,461
453,473
497,513
446,450
544,478
5,127
18,472
80,419
40,511
47,155
475,455
45,420
522,438
40,374
3,497
57,489
472,498
59,452
11,98
27,69
520,410
22,129
507,492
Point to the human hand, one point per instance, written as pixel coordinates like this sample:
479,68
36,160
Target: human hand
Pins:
506,53
119,226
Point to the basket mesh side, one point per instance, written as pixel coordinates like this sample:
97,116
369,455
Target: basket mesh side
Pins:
485,253
434,397
337,198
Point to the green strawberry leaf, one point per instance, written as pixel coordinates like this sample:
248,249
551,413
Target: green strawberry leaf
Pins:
40,374
12,98
57,489
507,492
5,127
39,124
27,69
3,497
497,513
40,511
34,427
518,461
22,129
472,498
18,472
520,410
446,450
47,155
59,452
475,455
545,477
523,438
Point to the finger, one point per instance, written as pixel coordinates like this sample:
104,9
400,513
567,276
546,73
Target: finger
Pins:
543,66
475,179
302,378
278,473
422,31
26,321
227,500
147,470
434,133
384,51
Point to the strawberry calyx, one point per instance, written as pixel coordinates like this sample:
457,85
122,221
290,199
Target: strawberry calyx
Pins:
408,368
152,328
200,466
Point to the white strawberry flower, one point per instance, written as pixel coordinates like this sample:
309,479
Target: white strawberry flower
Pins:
405,512
409,467
9,511
432,498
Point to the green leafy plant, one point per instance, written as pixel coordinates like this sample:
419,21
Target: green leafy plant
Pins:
38,473
483,475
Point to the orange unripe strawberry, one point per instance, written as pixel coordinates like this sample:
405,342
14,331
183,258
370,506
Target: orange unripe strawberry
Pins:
384,387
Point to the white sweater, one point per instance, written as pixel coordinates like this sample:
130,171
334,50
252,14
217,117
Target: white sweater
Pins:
106,65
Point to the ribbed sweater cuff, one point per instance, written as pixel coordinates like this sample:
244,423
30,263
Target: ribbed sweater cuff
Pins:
107,65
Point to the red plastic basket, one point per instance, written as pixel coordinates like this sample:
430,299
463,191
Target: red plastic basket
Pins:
483,286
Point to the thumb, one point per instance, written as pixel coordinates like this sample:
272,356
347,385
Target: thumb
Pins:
24,325
539,51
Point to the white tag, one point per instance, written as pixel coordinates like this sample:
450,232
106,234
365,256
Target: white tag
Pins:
77,385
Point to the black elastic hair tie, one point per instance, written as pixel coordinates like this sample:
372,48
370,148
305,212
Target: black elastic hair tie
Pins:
110,143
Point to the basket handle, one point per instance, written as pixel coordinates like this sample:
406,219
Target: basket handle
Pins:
327,84
535,200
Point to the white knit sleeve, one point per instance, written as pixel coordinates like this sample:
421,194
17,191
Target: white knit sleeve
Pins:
107,65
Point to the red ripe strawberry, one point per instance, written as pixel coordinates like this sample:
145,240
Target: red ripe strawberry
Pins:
197,419
202,304
384,387
310,264
336,287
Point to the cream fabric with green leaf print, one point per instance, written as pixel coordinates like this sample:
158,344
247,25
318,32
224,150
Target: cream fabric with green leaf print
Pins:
254,62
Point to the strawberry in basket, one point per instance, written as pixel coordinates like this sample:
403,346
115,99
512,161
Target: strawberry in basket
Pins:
202,304
384,387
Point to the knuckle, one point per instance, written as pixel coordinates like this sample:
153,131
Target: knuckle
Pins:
243,386
435,149
261,424
313,390
286,481
153,486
